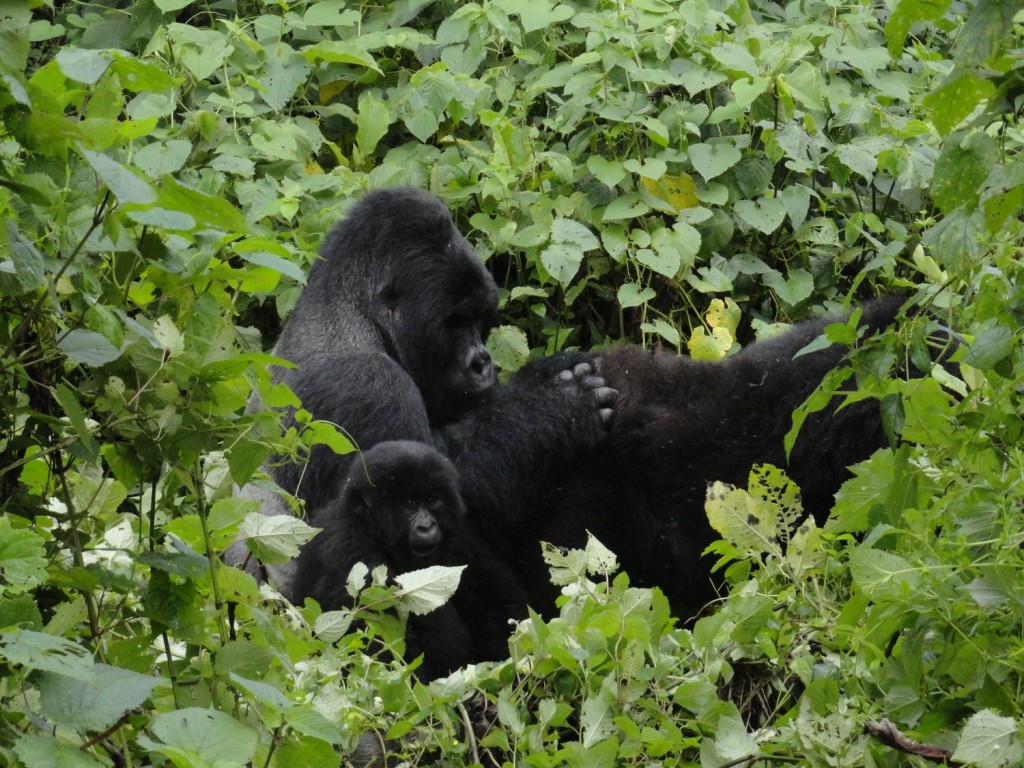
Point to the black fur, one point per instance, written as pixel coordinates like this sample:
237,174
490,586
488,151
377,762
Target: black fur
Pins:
682,424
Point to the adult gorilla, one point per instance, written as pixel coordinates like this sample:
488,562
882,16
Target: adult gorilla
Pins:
680,425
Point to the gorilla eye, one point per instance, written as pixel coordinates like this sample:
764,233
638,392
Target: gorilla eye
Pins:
389,296
410,505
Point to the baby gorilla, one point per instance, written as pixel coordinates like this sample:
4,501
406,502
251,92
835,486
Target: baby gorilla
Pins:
399,507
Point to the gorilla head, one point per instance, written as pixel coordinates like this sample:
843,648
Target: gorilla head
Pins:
404,498
398,264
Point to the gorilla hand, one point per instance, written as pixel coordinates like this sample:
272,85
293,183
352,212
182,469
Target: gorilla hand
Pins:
584,378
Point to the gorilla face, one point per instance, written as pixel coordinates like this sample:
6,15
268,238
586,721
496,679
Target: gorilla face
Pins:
406,493
441,304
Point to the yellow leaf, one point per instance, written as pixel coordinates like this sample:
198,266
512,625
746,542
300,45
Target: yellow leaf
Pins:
329,90
679,191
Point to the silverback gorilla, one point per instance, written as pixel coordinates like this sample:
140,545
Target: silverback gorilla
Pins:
399,507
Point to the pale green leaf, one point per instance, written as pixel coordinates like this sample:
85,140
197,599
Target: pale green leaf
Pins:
427,589
94,704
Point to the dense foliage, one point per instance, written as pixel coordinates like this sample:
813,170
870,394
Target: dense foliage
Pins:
166,171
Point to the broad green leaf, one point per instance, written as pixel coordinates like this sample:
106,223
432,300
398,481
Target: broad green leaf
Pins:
711,160
797,287
126,186
989,740
41,750
331,626
662,328
213,212
990,346
596,719
905,15
15,20
162,218
371,123
427,589
330,13
85,66
275,539
624,207
665,261
168,336
159,158
263,693
961,170
709,348
984,33
46,653
202,51
284,72
92,705
956,98
634,295
203,738
880,574
88,348
335,52
26,260
765,214
509,347
22,559
276,263
608,172
308,721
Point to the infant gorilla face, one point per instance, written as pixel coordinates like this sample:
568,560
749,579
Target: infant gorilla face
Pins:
407,495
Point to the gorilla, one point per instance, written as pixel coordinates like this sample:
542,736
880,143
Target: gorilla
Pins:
399,507
681,424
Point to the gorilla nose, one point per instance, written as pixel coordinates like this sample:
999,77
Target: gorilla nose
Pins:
479,370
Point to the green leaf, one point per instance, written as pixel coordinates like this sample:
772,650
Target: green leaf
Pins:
797,287
986,28
989,740
159,158
990,346
46,653
634,295
22,559
85,66
92,705
214,212
126,186
372,123
509,347
905,15
334,52
202,51
88,348
309,722
879,574
331,626
15,18
202,738
765,214
608,172
956,98
961,170
26,260
45,751
427,589
275,539
330,13
711,160
284,72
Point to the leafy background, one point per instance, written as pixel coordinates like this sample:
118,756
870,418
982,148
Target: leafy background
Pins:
684,175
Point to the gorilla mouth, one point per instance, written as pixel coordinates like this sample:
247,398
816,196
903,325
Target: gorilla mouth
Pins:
424,549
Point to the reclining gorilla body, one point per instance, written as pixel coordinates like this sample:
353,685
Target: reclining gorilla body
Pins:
680,425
